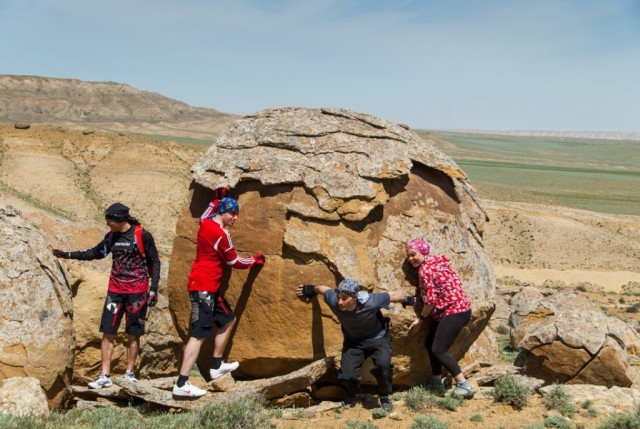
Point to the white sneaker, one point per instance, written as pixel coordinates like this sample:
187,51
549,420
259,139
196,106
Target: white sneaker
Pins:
225,367
131,376
188,390
102,381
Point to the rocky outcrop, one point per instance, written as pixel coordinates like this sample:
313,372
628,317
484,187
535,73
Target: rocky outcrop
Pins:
566,338
22,396
36,329
106,105
328,194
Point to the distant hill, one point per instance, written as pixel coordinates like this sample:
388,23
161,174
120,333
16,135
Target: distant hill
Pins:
104,106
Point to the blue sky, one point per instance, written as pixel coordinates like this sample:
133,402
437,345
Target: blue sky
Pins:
558,65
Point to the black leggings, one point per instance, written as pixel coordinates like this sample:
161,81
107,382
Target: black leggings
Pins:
440,337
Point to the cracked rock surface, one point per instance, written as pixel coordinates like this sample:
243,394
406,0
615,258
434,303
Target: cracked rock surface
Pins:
329,194
36,328
566,338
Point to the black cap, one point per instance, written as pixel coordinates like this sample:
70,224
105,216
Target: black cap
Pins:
117,212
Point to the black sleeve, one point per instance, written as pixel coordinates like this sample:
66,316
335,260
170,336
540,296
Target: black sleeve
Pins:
97,252
153,259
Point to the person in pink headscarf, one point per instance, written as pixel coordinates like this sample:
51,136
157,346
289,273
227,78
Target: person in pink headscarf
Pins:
447,307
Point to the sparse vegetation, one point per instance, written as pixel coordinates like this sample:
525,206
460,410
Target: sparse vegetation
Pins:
630,420
421,399
508,390
379,413
557,422
559,399
507,353
427,422
357,424
588,407
476,418
241,413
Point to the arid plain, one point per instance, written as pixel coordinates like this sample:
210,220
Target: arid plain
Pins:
539,232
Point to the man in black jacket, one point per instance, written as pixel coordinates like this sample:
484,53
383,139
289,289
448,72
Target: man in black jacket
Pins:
135,260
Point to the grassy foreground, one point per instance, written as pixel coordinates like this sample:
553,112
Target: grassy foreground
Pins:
240,413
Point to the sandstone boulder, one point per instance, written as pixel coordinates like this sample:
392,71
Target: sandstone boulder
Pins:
36,328
328,194
22,396
566,338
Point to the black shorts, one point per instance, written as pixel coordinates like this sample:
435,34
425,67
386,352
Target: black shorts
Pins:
116,305
208,308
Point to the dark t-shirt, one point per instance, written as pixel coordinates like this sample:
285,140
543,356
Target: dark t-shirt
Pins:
366,321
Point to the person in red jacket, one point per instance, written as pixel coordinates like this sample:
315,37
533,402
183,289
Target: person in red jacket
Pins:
447,306
214,252
134,264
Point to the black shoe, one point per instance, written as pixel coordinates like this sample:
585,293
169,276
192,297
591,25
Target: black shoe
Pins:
350,401
385,404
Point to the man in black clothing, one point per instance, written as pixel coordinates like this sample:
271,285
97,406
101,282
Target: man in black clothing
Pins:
135,260
365,333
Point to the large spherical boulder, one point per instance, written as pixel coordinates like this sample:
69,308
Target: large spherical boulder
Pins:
329,194
36,327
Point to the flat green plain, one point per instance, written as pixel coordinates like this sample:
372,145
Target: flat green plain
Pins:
597,175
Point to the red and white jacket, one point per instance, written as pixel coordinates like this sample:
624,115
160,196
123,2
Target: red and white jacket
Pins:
214,251
441,286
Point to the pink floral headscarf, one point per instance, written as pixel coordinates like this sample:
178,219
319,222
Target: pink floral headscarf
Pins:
419,245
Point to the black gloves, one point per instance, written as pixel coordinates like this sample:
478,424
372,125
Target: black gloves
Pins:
408,300
307,291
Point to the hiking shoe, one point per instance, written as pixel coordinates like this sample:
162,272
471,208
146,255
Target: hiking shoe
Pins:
350,401
131,376
188,390
436,388
385,404
102,381
224,368
463,392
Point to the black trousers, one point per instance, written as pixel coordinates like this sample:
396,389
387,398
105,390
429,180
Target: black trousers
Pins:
354,354
439,339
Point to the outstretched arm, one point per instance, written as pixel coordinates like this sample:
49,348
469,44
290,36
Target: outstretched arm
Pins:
309,290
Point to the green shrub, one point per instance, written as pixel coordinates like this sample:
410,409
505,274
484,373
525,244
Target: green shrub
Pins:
427,422
240,413
379,413
507,353
101,418
581,288
476,418
420,398
509,391
558,399
557,422
170,421
621,421
588,406
8,421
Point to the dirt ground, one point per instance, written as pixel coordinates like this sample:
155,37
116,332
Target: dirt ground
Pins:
493,415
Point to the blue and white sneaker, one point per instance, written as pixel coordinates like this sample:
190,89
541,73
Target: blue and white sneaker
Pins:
102,381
